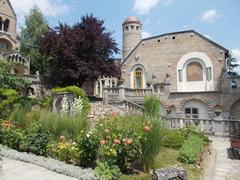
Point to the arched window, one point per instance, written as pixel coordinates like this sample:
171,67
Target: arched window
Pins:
6,25
194,72
138,78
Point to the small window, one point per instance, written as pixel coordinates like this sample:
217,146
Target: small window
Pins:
132,27
233,84
191,112
155,88
159,40
126,28
137,28
173,37
187,111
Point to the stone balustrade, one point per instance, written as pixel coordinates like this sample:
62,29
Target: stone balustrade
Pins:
218,127
131,106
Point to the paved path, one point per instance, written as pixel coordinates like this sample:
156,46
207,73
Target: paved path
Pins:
221,165
16,170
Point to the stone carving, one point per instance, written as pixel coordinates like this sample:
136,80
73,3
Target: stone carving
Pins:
170,173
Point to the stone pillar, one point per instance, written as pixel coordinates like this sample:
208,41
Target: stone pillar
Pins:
57,100
105,95
121,92
218,126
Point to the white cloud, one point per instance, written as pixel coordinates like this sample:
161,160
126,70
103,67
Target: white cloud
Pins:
208,36
144,6
236,53
48,7
169,2
146,34
210,15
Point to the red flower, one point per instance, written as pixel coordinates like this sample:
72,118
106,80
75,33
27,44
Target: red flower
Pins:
102,142
129,141
117,141
146,128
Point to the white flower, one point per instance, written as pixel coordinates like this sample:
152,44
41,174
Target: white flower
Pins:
64,105
88,135
90,132
77,106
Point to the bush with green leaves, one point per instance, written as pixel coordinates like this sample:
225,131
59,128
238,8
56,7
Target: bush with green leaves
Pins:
78,92
88,144
107,172
36,140
46,102
64,151
8,97
172,138
191,149
191,130
151,106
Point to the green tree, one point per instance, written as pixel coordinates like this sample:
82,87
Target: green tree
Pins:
31,34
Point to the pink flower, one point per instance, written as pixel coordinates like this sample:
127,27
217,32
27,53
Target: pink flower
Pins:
146,128
102,142
117,141
129,141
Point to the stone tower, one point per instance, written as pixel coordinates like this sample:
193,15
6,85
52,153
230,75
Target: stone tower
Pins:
132,34
8,34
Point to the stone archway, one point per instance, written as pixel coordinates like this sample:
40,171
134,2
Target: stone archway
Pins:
235,110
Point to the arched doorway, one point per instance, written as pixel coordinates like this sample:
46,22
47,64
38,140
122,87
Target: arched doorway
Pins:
235,110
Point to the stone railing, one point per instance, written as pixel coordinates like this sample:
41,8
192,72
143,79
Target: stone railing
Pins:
120,94
133,107
218,127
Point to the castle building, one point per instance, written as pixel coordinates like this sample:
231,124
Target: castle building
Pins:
186,70
10,49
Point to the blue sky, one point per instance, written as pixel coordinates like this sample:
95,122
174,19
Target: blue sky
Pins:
218,20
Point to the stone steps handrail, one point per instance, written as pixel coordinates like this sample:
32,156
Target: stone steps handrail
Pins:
133,106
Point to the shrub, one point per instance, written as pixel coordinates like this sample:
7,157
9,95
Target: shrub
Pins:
11,135
192,130
36,140
88,145
172,138
64,151
26,103
8,97
151,106
21,117
78,92
46,102
191,150
106,171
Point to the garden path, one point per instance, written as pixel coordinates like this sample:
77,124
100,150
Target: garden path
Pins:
222,164
16,170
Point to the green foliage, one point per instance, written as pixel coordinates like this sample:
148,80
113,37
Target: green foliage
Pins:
152,106
106,171
172,138
46,102
8,97
233,65
21,117
88,145
36,139
151,142
64,151
78,92
191,150
27,103
31,34
191,130
11,135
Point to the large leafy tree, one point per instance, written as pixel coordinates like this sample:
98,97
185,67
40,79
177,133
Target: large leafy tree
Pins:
80,52
31,33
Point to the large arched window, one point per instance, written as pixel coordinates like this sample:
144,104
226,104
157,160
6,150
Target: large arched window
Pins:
138,78
6,25
1,24
194,72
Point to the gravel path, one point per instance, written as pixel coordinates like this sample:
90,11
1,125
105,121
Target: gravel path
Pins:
222,164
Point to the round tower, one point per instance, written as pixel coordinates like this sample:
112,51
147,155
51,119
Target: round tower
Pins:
132,34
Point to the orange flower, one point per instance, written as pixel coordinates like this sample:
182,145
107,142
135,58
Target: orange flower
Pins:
146,128
117,141
124,141
6,124
129,141
114,114
102,142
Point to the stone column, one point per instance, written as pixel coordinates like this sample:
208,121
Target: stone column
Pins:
121,92
105,95
219,126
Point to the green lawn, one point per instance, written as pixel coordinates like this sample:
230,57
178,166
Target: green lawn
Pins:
167,157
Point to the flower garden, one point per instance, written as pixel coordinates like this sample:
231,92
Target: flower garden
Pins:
116,147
